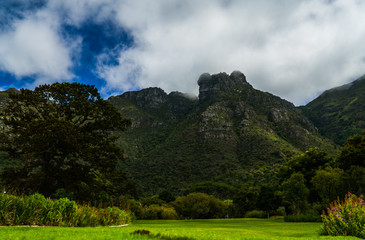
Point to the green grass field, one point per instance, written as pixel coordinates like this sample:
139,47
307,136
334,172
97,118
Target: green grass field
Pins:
191,229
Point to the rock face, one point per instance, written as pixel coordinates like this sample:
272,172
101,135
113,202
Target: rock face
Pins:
149,97
232,134
229,133
215,86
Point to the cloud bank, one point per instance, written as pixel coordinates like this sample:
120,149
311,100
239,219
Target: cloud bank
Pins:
294,49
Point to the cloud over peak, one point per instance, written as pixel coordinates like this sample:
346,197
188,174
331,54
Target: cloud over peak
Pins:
294,49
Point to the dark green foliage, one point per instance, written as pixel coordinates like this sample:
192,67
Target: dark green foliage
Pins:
267,199
38,210
354,180
60,137
147,201
199,206
166,196
307,163
245,200
328,183
353,152
295,193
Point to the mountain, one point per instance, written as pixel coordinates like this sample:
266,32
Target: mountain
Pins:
232,134
339,112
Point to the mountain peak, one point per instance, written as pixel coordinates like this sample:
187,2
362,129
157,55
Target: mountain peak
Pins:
216,85
151,97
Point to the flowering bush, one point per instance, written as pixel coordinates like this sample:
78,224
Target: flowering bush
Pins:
346,218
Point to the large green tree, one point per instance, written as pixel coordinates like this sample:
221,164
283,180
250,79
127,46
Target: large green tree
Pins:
295,192
60,137
353,152
329,183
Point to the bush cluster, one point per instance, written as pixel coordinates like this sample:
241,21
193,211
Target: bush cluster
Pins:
192,206
200,206
38,210
153,211
345,218
256,214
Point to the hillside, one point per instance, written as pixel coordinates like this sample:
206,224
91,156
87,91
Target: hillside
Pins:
233,133
339,112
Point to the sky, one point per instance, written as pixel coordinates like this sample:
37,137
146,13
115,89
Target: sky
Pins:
295,49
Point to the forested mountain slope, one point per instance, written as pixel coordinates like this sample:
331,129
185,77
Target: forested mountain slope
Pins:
233,133
339,112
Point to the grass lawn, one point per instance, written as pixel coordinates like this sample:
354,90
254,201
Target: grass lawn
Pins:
191,229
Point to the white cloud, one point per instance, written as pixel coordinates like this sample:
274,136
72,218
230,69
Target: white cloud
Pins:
34,47
295,49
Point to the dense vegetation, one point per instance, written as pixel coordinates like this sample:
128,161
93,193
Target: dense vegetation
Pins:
345,218
303,186
58,138
232,134
41,211
246,153
339,112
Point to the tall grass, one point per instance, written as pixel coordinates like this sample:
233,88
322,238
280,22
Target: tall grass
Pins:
38,210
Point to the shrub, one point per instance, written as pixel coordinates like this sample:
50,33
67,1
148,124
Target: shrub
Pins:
346,218
154,212
256,214
199,205
38,210
136,207
280,211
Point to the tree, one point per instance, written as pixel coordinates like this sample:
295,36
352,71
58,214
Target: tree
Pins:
245,200
60,137
353,152
267,201
328,182
307,163
295,192
354,180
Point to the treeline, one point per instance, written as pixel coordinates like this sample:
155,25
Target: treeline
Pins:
304,185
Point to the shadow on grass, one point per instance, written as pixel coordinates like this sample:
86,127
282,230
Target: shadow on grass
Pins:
159,236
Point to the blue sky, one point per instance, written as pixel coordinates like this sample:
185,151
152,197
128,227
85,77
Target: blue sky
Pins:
292,48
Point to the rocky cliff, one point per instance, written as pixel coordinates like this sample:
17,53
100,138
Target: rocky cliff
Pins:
233,133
